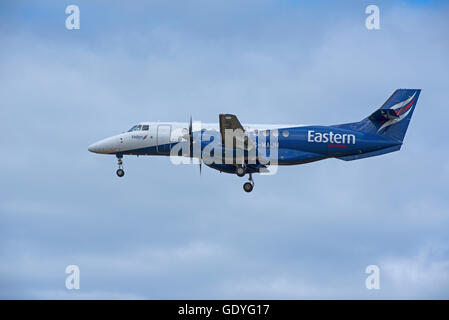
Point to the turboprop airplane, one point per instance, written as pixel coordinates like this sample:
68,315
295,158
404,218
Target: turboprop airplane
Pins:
240,149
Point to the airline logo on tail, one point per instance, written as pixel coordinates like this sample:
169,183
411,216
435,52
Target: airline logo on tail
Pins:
402,109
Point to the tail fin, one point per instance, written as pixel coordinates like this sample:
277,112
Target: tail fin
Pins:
392,119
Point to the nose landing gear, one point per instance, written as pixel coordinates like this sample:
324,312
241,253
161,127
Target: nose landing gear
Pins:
248,186
120,172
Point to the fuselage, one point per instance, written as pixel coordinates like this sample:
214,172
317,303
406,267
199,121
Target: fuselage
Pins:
293,144
232,147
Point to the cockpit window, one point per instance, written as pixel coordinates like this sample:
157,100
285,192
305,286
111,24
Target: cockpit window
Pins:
135,128
145,127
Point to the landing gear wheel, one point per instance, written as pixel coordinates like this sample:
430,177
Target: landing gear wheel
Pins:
120,172
248,186
240,171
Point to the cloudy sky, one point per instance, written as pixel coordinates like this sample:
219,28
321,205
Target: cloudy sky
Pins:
164,231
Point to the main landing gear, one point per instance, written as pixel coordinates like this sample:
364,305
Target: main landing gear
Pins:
248,186
120,172
240,171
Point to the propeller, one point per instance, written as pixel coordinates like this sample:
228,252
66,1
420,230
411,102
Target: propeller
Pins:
191,142
190,138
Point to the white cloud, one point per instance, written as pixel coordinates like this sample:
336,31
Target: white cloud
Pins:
425,274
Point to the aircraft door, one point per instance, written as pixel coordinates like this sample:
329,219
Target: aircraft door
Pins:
163,138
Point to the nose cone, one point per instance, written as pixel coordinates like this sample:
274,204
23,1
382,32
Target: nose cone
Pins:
106,146
94,147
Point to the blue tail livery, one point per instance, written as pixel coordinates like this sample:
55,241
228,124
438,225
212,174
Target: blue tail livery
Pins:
244,149
390,121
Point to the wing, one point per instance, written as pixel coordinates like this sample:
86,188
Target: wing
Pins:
229,124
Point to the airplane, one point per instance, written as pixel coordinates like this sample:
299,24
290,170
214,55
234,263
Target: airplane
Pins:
228,146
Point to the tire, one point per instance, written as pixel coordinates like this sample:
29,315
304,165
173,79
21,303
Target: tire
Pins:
248,186
240,171
120,173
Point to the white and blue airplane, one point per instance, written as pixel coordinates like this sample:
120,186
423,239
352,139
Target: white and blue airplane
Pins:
229,146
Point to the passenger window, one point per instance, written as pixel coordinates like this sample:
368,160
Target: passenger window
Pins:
285,133
145,127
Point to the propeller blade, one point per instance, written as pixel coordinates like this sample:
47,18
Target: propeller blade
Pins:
200,166
190,138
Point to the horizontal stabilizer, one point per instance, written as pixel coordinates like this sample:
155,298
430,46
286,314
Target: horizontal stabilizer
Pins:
383,114
370,154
